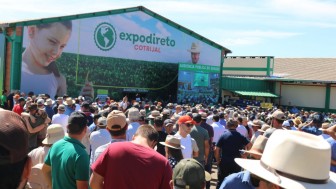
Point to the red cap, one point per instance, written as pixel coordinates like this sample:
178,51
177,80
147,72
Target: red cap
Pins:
185,119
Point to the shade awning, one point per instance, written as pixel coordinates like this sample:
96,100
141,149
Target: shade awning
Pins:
256,93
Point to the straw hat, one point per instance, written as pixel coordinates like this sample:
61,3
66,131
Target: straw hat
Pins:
195,48
49,102
294,159
69,101
173,142
264,127
154,114
258,146
55,133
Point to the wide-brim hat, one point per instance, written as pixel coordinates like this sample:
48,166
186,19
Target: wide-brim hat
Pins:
264,127
195,48
154,114
55,133
258,146
49,101
173,142
294,159
69,101
257,123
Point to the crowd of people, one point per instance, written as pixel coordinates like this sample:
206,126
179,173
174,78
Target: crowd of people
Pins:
73,143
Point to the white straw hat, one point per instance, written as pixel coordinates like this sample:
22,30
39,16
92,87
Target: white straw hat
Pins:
55,133
172,142
294,160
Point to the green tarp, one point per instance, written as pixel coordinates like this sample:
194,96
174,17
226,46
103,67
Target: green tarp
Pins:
255,93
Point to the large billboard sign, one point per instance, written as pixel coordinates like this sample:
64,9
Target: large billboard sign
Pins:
198,84
114,46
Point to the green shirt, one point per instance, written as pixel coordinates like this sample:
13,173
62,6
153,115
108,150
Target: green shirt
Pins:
69,162
200,135
3,100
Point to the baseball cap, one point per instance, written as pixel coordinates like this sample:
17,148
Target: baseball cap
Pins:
61,107
168,122
13,127
185,119
116,120
85,104
40,102
102,122
278,115
189,173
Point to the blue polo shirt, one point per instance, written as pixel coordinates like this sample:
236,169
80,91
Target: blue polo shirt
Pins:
239,180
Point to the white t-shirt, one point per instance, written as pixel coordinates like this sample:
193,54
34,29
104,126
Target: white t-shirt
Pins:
242,130
131,129
189,144
218,131
98,138
38,83
61,119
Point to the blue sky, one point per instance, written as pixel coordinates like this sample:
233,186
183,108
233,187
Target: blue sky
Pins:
280,28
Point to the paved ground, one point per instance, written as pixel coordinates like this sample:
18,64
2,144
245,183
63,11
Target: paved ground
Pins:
213,177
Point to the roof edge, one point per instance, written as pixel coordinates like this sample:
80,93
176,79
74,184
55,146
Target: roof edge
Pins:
117,11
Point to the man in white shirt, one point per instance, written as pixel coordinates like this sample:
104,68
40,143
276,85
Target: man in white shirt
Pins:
61,118
133,117
185,125
99,137
242,122
218,128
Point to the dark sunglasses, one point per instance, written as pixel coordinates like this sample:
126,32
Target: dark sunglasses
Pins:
188,124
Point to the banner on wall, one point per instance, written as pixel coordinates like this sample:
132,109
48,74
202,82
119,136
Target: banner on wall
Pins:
95,43
198,84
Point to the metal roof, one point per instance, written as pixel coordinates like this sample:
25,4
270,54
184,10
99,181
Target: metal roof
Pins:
118,11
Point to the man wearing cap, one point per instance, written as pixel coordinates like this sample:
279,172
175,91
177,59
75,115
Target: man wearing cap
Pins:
169,126
61,118
185,125
14,163
99,137
40,103
278,117
59,101
189,173
18,108
132,164
114,119
67,163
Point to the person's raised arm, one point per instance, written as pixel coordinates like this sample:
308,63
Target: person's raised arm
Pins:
30,128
